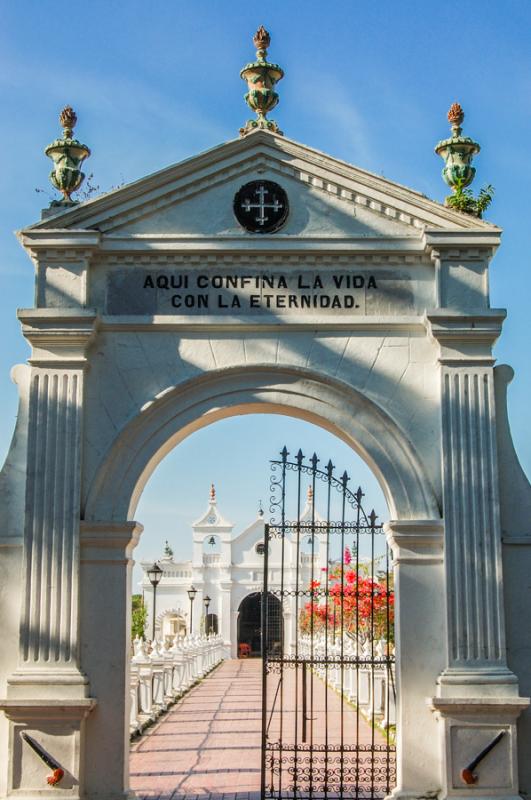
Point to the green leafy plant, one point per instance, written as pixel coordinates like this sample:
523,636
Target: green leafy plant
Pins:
89,191
463,199
139,617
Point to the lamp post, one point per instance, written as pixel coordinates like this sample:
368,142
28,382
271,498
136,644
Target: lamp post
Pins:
192,591
154,575
206,602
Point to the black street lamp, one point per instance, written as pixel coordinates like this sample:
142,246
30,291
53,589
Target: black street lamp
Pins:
206,602
192,591
154,575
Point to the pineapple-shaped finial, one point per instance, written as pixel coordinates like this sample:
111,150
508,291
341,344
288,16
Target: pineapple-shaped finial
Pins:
455,114
261,41
68,119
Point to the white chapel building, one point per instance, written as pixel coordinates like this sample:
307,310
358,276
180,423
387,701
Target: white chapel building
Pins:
228,568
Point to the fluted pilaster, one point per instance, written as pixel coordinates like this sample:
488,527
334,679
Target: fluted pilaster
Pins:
50,617
471,511
474,580
49,631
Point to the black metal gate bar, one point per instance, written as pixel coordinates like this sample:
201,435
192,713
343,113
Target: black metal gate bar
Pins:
311,725
263,622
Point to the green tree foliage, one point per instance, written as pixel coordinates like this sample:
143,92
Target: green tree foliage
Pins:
139,617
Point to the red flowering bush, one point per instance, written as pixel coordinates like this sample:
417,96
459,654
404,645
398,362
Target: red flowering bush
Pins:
345,601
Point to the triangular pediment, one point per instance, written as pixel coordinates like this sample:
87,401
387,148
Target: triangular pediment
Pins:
212,519
328,198
252,534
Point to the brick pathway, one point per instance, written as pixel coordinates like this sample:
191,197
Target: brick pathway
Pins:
209,743
208,746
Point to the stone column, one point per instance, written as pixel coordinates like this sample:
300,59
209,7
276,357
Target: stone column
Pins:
106,567
49,615
417,547
477,693
48,693
476,625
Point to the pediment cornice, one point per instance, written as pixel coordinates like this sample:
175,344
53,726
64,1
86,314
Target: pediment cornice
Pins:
262,151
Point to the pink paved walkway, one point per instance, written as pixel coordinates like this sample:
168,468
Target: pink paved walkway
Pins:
209,743
208,746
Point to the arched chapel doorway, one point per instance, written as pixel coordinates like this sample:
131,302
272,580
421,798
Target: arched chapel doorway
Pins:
250,625
173,625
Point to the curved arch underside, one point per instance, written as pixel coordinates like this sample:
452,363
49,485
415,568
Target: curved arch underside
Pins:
326,402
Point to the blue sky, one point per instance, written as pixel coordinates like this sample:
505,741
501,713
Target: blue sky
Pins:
153,83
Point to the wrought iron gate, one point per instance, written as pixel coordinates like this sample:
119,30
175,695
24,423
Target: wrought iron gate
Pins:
328,687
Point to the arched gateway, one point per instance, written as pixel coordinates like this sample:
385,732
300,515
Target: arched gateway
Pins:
168,304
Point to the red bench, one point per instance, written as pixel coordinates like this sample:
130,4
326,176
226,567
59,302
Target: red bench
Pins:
244,650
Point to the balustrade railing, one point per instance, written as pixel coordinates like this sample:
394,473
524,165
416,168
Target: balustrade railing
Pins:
161,671
211,558
368,679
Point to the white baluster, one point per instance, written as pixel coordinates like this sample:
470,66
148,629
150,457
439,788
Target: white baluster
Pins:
145,677
157,663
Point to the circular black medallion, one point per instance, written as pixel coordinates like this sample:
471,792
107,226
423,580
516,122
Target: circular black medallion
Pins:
261,206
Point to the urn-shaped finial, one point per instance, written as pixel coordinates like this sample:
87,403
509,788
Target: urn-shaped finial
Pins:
457,152
67,155
261,77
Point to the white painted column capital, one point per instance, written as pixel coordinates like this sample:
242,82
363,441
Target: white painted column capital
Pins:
415,541
465,339
109,542
59,337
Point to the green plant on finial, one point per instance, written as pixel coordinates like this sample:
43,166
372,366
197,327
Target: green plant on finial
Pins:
458,172
463,199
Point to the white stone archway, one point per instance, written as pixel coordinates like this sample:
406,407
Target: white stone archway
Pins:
329,403
121,371
169,615
338,408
